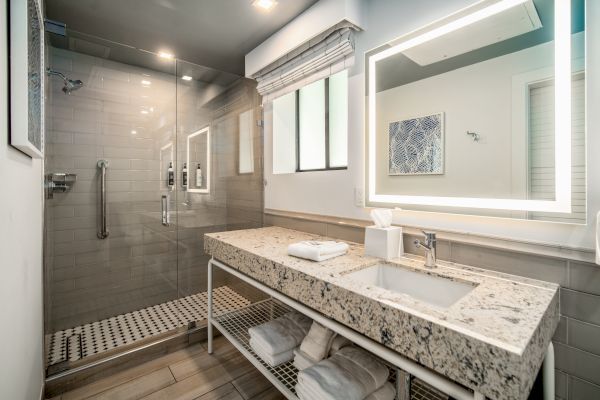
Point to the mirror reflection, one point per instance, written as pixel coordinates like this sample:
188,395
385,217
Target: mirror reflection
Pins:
472,113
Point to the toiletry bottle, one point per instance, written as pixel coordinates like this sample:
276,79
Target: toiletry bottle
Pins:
199,176
184,176
170,176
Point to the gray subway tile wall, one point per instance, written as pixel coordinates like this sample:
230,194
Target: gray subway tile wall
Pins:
577,338
142,262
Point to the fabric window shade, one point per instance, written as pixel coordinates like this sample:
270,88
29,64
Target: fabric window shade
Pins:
330,52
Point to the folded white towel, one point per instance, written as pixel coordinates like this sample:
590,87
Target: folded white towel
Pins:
272,359
350,374
318,341
318,250
303,361
337,343
282,334
386,392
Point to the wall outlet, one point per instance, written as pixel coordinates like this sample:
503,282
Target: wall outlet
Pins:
359,197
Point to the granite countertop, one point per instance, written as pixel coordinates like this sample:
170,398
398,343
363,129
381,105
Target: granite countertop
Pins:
492,340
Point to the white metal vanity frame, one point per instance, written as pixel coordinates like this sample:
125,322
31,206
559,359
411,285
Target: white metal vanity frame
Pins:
434,379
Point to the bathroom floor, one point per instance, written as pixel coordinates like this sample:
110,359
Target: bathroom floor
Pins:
190,373
96,337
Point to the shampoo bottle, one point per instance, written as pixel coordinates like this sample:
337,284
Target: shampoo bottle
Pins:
170,176
199,176
184,176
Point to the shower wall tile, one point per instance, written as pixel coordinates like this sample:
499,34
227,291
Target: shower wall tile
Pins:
137,265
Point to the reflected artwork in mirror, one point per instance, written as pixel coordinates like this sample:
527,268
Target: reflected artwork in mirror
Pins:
499,91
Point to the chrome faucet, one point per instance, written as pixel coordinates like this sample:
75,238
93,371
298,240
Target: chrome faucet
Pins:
430,246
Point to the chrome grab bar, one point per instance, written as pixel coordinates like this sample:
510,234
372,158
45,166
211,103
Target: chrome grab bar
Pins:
103,233
164,202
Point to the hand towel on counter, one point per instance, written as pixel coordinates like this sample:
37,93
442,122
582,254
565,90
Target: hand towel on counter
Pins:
278,338
317,343
318,250
350,374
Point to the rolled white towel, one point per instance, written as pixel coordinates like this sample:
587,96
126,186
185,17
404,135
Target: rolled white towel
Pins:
386,392
318,250
338,343
350,374
272,359
282,334
317,342
303,361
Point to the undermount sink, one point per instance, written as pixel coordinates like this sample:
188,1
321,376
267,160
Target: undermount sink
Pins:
431,289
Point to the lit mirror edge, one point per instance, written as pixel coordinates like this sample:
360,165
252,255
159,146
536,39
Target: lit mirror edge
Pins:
205,130
562,66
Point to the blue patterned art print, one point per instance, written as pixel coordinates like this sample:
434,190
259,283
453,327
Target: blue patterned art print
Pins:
417,146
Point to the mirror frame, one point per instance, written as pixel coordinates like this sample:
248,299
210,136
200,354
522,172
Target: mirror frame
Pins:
562,120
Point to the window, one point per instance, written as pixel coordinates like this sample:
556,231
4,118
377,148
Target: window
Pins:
310,127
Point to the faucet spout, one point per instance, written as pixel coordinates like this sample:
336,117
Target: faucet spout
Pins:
430,247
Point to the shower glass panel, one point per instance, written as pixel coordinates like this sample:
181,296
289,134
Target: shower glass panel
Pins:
147,277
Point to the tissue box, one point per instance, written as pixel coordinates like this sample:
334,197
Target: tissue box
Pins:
384,242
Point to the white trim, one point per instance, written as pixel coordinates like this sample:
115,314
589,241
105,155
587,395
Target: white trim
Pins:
562,122
206,131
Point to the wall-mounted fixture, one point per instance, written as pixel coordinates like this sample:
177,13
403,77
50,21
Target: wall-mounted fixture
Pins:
59,182
474,135
265,5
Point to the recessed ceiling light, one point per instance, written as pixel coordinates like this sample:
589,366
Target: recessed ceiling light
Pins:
144,111
164,54
186,78
146,82
133,132
264,4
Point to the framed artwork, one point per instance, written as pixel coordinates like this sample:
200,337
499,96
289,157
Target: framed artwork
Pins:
27,74
416,146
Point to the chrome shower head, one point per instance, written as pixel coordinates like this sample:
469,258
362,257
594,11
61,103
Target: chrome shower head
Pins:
70,84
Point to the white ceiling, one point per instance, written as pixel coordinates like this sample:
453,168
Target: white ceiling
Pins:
214,33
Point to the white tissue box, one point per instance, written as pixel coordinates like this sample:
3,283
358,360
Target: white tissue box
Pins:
384,242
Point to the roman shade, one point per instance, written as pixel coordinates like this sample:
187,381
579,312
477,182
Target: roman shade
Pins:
328,53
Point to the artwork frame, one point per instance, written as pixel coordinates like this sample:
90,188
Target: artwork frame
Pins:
27,77
413,160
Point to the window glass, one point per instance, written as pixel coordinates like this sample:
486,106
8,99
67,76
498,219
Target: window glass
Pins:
338,119
284,134
312,126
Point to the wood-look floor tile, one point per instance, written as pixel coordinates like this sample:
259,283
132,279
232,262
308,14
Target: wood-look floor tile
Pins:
132,373
201,361
225,392
138,387
204,381
251,384
270,394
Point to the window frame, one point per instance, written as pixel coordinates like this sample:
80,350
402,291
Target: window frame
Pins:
328,167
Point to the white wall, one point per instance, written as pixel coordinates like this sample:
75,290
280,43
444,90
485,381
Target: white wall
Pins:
332,192
21,350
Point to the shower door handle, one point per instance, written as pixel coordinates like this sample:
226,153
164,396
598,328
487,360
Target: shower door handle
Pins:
164,202
103,232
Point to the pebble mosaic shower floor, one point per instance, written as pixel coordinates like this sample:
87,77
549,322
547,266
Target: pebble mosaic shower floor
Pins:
96,337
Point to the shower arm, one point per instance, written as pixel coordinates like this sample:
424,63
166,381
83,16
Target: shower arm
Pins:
53,72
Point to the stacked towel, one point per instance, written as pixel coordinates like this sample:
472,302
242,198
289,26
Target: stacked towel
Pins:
316,346
276,340
317,250
338,343
350,374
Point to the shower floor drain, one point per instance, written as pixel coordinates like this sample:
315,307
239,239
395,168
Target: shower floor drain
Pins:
124,329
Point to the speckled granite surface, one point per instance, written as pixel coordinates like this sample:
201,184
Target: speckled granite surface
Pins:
492,340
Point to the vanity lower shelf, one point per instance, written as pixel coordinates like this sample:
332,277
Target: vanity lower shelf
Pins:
234,326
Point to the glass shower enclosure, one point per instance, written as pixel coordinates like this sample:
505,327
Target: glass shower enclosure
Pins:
141,160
